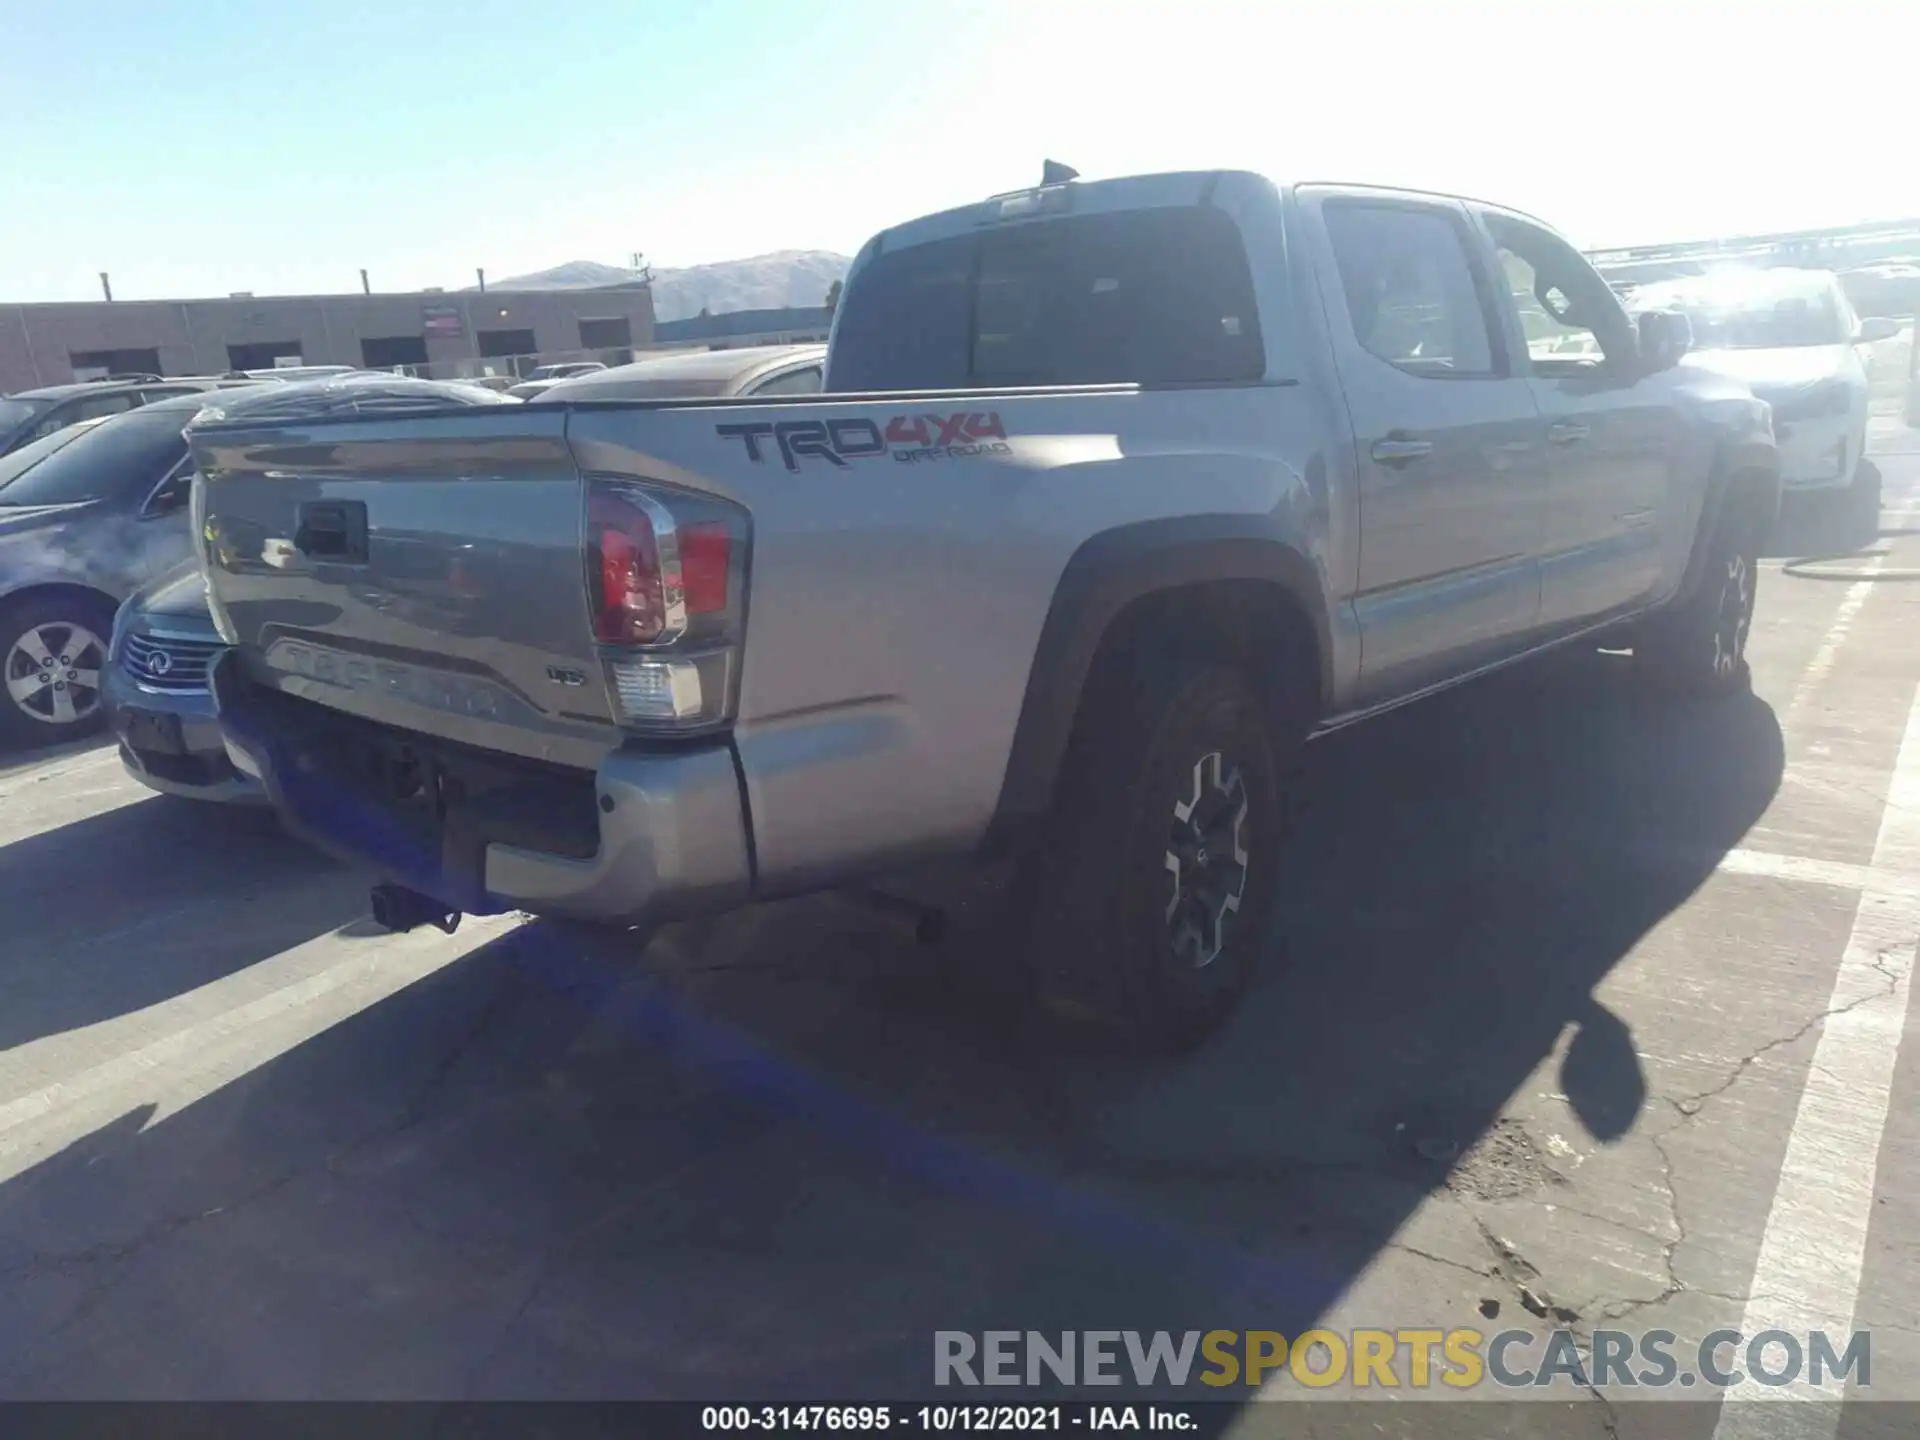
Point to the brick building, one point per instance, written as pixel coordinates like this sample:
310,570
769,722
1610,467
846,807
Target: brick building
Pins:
446,333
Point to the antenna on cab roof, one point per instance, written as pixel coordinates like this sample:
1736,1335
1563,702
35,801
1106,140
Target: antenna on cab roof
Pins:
1052,172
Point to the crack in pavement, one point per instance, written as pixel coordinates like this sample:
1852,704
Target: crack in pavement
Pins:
1520,1274
1691,1105
1669,1248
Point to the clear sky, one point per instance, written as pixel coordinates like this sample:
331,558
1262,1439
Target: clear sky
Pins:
204,146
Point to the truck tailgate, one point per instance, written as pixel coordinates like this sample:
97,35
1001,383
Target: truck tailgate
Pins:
423,572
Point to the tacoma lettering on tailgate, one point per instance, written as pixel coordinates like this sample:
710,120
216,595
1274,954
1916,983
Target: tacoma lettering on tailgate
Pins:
455,695
910,439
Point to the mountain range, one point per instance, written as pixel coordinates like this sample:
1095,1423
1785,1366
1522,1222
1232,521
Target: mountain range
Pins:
760,282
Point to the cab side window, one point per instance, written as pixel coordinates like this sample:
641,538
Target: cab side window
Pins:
1572,320
1410,289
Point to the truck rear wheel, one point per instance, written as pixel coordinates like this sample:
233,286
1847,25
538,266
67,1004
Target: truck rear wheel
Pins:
1699,645
1147,908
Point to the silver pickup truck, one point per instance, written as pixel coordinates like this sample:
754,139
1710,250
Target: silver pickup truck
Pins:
1119,492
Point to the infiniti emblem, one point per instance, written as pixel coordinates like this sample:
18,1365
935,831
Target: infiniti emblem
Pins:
159,663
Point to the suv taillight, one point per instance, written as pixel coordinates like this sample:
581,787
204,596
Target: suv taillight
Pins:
666,582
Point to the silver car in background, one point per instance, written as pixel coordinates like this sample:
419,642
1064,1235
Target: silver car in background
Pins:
700,374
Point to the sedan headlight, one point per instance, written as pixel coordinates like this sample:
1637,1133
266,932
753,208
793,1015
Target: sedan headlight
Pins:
1814,402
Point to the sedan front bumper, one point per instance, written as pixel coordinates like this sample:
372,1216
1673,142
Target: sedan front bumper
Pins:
170,740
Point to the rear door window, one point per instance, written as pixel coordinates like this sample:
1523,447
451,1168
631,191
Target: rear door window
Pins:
1160,296
1410,289
91,407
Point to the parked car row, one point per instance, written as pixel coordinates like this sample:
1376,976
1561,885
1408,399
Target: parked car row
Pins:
30,415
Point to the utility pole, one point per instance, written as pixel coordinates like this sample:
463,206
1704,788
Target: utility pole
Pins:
483,280
106,287
365,288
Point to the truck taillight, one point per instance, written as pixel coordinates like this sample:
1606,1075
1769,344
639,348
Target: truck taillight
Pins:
666,580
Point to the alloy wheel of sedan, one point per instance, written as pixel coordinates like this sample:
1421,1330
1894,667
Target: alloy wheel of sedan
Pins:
53,672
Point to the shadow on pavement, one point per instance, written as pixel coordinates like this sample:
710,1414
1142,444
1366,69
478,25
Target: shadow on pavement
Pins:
1826,525
128,907
773,1159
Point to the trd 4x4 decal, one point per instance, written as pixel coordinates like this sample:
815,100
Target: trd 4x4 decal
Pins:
908,438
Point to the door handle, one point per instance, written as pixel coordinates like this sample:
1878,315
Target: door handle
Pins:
1398,450
332,530
1567,432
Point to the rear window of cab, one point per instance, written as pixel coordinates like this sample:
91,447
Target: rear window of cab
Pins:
1149,297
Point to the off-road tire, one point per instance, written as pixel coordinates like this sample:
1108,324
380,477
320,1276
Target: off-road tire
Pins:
1171,754
1698,646
88,624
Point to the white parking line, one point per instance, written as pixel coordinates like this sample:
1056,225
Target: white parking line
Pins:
1807,1276
1838,873
1836,636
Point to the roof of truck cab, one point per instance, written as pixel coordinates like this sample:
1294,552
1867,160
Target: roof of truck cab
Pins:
1139,192
1363,187
1127,192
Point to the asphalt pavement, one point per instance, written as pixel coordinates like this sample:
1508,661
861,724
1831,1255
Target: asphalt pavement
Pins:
1585,1009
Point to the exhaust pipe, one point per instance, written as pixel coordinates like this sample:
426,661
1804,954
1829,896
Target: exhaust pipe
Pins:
399,909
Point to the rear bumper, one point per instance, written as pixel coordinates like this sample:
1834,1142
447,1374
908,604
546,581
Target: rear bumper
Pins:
647,837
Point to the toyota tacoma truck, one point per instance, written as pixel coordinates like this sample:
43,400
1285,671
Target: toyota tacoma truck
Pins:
1117,494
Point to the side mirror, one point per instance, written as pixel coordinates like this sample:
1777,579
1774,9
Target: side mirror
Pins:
1873,331
1665,336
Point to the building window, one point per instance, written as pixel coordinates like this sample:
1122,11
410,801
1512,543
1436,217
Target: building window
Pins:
262,353
386,351
92,364
611,334
505,343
